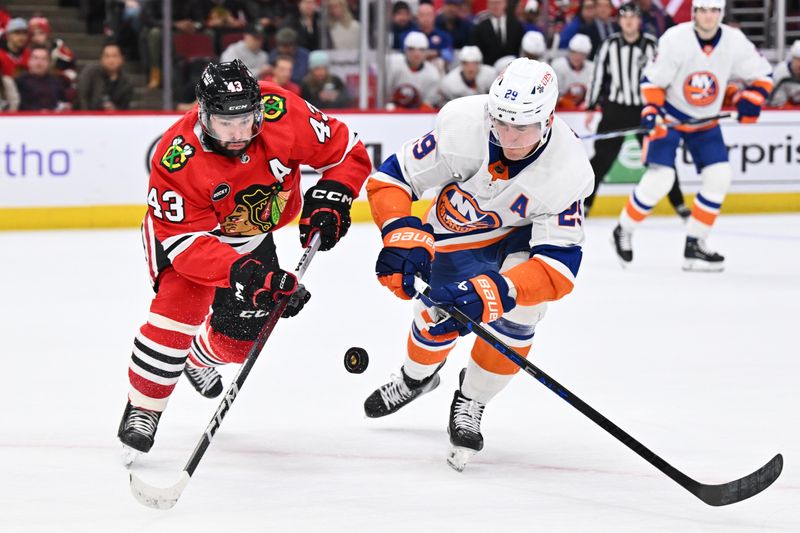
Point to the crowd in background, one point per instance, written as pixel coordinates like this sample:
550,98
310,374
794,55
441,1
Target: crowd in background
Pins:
441,50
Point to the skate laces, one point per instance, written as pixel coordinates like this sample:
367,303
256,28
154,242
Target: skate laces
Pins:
395,392
467,414
142,421
624,239
701,246
204,377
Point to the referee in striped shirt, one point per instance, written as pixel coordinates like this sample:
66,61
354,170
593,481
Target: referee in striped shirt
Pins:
615,88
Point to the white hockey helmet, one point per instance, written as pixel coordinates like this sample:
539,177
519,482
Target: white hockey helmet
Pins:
524,95
709,4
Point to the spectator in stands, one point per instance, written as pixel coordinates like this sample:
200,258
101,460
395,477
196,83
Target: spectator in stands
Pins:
470,77
529,15
123,23
306,24
226,15
412,82
574,73
14,56
533,46
4,18
249,51
402,23
62,59
38,89
9,95
602,26
320,87
498,34
270,15
583,17
450,20
440,45
187,16
787,79
286,45
105,87
343,29
655,20
282,74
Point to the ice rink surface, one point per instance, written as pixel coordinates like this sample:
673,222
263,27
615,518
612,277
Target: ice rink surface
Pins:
702,368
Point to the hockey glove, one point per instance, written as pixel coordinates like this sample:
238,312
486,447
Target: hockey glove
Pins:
408,249
483,298
749,103
653,120
255,283
297,301
326,208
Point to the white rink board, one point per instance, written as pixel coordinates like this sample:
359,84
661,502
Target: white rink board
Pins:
87,160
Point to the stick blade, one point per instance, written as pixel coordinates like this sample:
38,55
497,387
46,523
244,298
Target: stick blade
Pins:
741,489
157,497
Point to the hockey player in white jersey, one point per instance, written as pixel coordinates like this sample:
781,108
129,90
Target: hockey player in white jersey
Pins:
687,80
412,82
787,79
470,77
574,73
502,238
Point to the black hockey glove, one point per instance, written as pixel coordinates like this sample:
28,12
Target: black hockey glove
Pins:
257,284
326,208
297,301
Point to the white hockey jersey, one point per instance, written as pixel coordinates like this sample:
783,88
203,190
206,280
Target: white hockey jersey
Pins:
453,85
787,86
479,200
695,78
413,87
573,85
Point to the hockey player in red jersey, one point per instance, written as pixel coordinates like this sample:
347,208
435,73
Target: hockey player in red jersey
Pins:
223,178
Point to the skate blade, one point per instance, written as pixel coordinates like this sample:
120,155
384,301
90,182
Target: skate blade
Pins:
458,457
129,455
696,265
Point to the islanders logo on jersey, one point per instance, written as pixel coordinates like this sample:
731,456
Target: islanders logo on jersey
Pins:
701,88
258,209
457,211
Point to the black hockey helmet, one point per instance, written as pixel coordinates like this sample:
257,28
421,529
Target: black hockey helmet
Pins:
228,89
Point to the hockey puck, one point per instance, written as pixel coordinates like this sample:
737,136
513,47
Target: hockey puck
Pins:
356,360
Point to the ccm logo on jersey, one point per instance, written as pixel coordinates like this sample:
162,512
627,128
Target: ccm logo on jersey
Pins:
490,300
701,88
333,196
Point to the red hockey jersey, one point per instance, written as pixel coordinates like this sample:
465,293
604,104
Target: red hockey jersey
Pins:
205,209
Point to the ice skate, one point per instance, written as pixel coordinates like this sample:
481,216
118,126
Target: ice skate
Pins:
205,380
464,430
137,430
698,258
683,212
400,391
621,239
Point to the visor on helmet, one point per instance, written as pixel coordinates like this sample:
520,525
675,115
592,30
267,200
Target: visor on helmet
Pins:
241,127
510,135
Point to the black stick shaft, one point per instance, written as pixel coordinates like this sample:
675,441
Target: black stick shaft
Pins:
716,495
250,360
621,132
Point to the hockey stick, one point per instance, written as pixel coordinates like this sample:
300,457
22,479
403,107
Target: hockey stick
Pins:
167,497
622,132
716,495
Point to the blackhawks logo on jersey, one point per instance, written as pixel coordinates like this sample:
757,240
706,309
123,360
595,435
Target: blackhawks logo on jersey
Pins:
274,107
177,154
258,210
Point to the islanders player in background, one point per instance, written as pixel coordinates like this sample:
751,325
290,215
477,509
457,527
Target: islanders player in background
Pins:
686,80
223,178
502,238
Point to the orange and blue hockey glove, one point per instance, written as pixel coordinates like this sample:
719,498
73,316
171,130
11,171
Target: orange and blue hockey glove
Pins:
484,298
749,103
653,120
408,249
